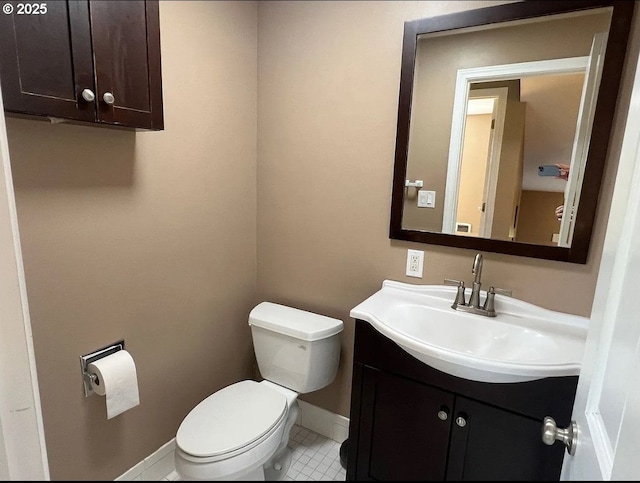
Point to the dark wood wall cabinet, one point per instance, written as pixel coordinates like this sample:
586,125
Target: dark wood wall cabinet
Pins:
88,61
412,422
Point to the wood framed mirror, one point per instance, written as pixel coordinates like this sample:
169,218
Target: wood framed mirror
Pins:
542,78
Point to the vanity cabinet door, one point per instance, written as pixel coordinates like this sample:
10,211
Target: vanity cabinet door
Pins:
495,444
405,429
395,430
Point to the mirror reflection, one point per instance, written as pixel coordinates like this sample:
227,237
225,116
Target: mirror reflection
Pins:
490,106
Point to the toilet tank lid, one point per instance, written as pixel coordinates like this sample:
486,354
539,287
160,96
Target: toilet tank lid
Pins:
294,322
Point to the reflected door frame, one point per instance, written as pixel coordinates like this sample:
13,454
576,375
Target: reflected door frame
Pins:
580,150
464,79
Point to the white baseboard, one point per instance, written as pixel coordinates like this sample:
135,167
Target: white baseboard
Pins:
158,466
321,421
161,464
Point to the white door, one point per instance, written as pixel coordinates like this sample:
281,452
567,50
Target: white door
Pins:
22,449
607,405
580,149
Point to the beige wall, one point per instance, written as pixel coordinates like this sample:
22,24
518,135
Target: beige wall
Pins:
537,220
147,236
328,96
156,238
553,103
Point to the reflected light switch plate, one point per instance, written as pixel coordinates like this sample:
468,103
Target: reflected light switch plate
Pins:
426,199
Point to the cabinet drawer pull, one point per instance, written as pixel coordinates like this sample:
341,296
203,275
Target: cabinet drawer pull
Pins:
460,421
108,98
443,415
88,95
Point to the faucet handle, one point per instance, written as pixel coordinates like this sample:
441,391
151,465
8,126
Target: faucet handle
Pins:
451,281
460,293
489,306
503,291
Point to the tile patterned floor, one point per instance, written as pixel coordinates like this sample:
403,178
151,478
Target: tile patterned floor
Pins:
315,457
173,476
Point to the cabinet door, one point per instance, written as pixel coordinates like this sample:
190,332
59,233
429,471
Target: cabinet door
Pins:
126,45
401,436
45,60
495,444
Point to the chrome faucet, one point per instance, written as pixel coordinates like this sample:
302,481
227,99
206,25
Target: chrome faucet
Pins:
474,305
474,301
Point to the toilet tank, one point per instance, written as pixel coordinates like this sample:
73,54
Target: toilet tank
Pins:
294,348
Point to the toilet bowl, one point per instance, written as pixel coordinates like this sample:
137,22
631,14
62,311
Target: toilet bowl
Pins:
232,434
241,432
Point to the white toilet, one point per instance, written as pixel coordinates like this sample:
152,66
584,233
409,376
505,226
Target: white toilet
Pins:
241,432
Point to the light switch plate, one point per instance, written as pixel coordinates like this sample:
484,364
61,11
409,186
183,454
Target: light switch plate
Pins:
426,199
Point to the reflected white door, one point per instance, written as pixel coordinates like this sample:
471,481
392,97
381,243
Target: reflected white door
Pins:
493,160
607,405
480,159
580,149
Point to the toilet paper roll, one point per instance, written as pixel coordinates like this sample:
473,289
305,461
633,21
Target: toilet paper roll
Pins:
116,379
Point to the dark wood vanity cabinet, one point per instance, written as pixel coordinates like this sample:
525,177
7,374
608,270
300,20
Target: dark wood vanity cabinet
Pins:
89,61
412,422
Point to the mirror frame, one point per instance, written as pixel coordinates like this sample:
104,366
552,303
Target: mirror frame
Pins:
603,119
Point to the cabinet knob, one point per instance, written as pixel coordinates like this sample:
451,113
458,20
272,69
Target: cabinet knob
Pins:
551,433
460,421
442,415
88,95
108,98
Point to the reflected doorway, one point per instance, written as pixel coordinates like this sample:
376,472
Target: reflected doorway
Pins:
481,149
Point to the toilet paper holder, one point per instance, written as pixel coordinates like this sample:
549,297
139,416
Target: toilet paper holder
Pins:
88,378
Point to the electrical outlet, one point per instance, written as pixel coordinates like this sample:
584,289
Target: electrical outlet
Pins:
415,261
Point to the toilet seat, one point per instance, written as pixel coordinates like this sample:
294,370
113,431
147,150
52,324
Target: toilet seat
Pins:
231,421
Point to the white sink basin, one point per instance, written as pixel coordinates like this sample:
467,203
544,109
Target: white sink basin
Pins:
523,342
